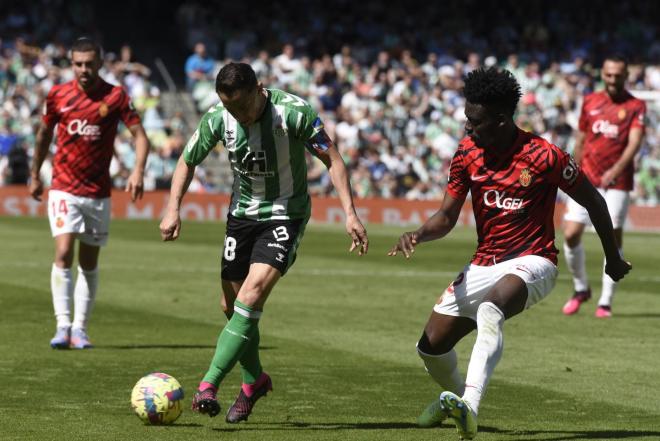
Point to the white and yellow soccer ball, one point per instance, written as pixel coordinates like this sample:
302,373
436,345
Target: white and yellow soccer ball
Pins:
157,398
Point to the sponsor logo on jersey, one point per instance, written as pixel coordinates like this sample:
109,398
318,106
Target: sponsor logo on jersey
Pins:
525,177
478,177
229,136
83,128
277,245
493,198
606,128
103,109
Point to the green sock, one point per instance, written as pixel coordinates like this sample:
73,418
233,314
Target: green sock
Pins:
232,342
250,365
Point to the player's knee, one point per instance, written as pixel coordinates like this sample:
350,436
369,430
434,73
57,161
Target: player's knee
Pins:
63,258
572,237
432,343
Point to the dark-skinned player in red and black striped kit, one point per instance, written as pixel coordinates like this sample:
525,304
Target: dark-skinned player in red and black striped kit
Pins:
86,112
513,177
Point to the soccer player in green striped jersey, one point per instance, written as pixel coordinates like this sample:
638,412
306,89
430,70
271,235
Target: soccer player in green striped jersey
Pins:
266,133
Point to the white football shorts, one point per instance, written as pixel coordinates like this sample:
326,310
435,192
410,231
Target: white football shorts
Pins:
87,217
617,205
464,295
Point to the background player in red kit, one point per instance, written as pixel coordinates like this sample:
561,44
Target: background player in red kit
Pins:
610,133
86,112
513,177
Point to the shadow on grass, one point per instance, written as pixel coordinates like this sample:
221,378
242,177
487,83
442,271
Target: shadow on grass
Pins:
541,435
565,435
293,425
155,346
165,346
637,314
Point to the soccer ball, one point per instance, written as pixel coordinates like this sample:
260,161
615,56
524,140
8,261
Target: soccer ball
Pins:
156,398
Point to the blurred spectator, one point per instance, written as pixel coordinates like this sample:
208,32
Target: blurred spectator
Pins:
199,66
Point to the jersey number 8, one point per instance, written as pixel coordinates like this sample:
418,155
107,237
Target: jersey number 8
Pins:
230,248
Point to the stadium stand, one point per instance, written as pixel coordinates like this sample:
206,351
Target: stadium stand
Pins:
388,82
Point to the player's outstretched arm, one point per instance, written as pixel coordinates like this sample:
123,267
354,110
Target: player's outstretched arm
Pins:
436,227
339,177
585,194
135,183
43,138
170,226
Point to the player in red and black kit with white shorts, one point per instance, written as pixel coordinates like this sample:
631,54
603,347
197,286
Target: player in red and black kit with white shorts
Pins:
513,177
86,112
610,134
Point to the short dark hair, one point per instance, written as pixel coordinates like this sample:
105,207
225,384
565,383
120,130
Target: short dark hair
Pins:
493,87
234,77
86,44
616,57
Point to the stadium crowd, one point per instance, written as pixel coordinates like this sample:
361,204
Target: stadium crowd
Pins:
388,86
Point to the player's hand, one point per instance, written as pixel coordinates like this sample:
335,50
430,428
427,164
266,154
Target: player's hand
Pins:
135,185
36,188
617,269
170,226
406,244
358,234
608,179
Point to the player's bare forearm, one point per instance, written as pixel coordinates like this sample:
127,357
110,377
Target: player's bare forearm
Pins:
141,147
437,227
135,184
339,178
183,174
170,226
579,146
586,195
43,139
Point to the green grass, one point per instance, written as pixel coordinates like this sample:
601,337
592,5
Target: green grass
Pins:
338,338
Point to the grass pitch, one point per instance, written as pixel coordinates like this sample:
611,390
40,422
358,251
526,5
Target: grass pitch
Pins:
338,338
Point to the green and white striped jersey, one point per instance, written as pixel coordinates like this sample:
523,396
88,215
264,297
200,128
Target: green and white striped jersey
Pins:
267,158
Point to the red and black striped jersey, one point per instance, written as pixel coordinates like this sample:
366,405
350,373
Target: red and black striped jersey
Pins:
513,195
86,129
606,124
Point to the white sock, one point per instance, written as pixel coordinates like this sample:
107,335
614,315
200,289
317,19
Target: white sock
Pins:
84,296
575,261
609,287
486,353
443,369
61,287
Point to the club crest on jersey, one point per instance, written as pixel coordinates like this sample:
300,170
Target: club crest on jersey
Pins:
622,113
525,177
103,109
59,222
